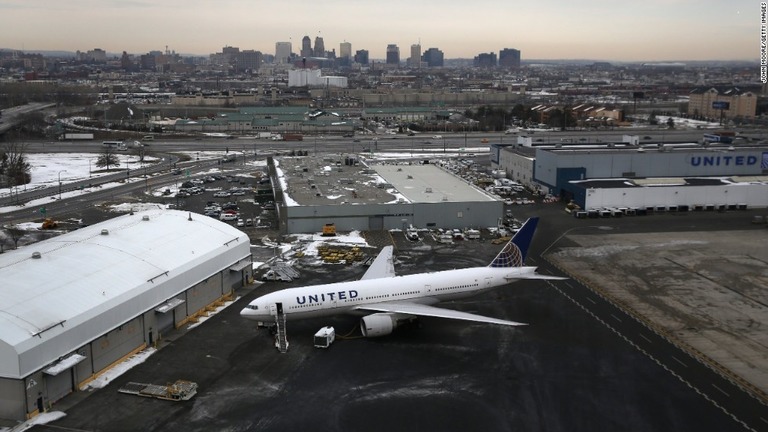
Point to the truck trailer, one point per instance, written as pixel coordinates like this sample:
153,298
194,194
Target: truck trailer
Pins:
293,137
77,136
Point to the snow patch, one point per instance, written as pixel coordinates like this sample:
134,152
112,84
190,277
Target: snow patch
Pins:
119,369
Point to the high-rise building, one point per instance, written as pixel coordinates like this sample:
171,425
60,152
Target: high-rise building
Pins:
433,57
509,58
345,50
148,61
230,50
361,57
96,55
414,60
393,54
319,47
485,60
345,55
283,52
306,47
248,60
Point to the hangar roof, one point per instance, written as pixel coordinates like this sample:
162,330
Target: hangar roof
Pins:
88,282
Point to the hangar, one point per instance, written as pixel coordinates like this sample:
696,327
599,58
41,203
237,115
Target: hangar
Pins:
645,176
74,305
357,195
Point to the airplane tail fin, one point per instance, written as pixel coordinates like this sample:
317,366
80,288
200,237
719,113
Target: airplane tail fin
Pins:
514,252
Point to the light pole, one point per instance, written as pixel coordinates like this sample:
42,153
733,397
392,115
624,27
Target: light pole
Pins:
60,182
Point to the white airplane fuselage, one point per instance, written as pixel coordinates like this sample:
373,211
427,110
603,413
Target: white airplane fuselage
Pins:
344,297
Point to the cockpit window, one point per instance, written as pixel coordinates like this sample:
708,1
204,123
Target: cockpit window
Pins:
254,307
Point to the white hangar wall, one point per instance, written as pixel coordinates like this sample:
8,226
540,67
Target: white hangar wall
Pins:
98,294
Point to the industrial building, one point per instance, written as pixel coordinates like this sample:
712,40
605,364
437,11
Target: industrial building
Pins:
684,176
75,305
356,195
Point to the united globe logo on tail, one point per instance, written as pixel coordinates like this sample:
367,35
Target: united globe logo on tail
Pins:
513,254
510,256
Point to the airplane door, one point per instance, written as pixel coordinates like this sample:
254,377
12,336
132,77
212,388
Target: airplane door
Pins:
488,281
273,309
427,289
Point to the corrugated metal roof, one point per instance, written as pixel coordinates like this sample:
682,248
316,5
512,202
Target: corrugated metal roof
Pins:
86,283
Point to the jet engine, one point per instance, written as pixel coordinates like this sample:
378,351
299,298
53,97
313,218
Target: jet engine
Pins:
379,324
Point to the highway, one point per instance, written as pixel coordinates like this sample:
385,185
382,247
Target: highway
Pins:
12,116
400,142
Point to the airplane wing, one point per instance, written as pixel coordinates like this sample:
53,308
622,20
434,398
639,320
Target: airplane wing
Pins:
431,311
383,266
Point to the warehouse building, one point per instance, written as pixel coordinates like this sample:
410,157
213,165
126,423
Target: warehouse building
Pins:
75,305
563,170
626,175
355,195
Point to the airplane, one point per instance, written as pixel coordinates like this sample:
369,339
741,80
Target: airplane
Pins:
388,300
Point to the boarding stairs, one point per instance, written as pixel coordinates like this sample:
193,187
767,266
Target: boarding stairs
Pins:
281,337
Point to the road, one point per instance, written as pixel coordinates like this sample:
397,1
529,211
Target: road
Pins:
421,141
12,116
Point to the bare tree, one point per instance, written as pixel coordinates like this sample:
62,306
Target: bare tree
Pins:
15,233
3,239
107,159
13,164
140,150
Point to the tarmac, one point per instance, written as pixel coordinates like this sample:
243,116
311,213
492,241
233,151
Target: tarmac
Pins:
568,370
703,289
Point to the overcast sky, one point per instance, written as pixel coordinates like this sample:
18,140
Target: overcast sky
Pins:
640,30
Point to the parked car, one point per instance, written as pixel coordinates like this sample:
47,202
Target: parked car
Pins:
240,222
228,216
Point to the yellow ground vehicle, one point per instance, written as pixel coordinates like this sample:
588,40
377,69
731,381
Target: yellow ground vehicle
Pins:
49,223
329,230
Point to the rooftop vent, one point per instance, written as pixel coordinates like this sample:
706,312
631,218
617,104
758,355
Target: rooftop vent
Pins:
145,218
36,255
105,232
429,190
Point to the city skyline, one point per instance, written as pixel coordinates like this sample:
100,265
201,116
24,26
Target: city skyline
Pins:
654,30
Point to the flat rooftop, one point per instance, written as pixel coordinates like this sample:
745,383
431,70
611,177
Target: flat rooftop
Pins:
330,180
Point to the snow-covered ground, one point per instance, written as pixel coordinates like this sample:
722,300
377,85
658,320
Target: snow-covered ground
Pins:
684,123
41,419
49,168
